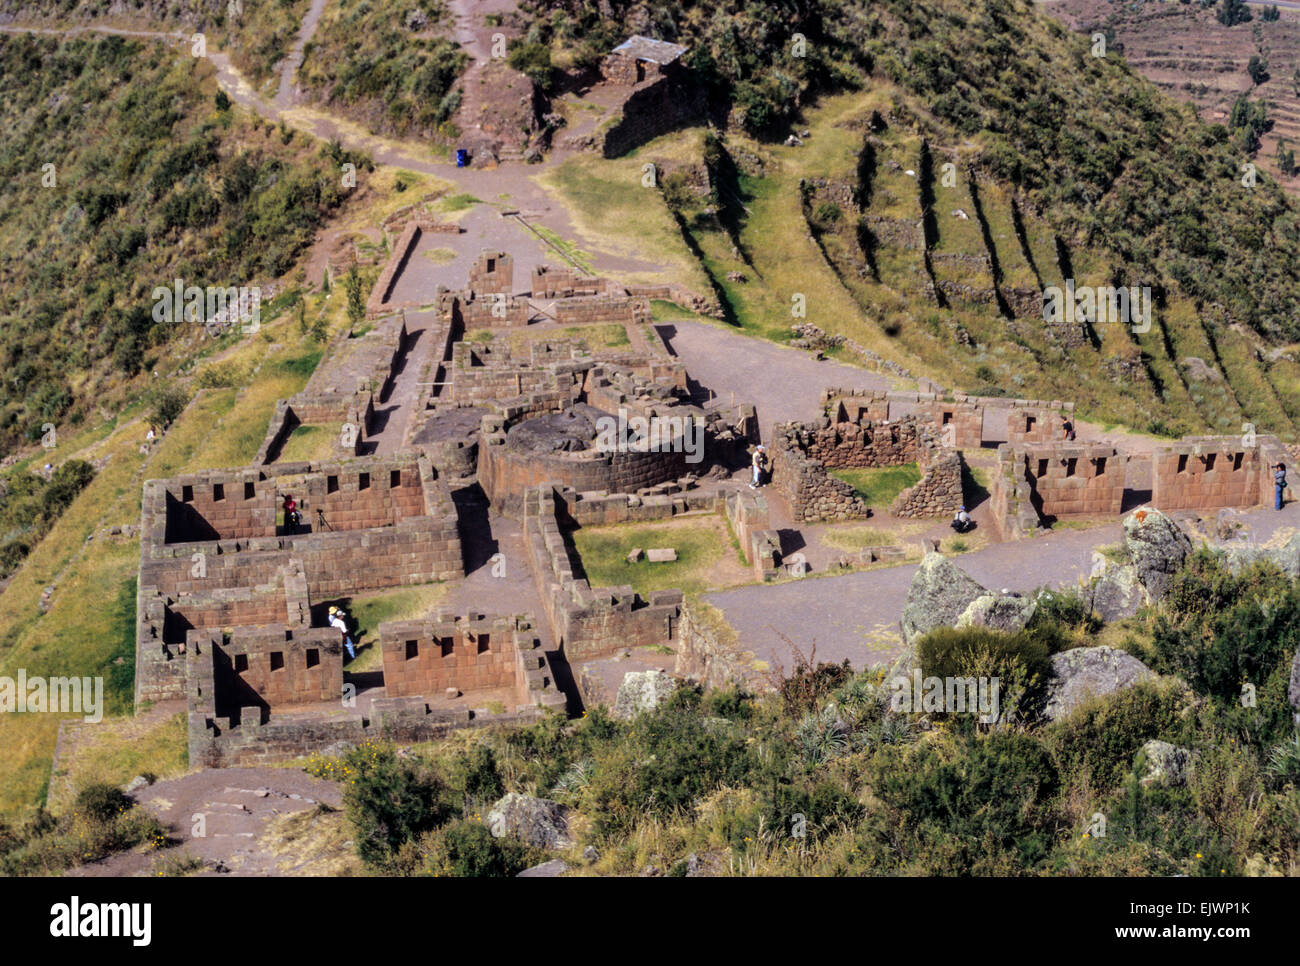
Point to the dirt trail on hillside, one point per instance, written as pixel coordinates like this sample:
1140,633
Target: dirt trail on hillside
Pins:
288,92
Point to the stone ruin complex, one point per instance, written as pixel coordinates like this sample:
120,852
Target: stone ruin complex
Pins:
441,436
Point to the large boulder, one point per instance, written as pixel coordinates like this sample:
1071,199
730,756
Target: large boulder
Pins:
1156,547
536,821
939,595
642,691
999,612
1116,591
1166,764
1089,672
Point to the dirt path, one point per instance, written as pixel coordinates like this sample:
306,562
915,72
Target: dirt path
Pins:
234,808
287,93
856,616
782,383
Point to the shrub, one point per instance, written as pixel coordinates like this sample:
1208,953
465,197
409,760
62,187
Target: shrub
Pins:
1223,630
390,801
1096,745
1021,662
101,802
476,777
533,61
667,759
165,404
995,795
466,848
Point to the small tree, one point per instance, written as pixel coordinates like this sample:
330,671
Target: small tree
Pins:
356,304
166,404
1233,12
325,281
1257,69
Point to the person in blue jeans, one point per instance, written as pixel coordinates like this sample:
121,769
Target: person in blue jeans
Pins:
338,621
1279,484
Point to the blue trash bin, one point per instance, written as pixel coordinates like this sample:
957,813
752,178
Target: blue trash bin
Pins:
462,157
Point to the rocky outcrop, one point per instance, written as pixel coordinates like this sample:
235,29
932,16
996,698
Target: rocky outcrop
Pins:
999,612
1286,557
537,821
1154,549
939,595
1166,764
642,691
1090,672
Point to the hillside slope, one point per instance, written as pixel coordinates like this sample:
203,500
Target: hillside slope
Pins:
1063,166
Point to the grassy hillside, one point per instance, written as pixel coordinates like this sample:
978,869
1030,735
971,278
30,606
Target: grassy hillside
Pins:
983,156
256,34
385,66
121,171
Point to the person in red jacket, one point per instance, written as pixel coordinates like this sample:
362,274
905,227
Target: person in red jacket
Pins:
292,518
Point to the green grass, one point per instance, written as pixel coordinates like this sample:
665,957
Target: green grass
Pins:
702,546
309,443
879,486
371,610
458,202
662,310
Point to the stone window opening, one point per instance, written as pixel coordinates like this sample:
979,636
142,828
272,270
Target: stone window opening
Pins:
313,657
447,646
241,663
412,650
277,660
250,491
363,481
187,494
947,418
1236,461
1101,465
331,484
1030,421
1042,468
218,492
1071,465
482,641
1182,462
394,479
1209,461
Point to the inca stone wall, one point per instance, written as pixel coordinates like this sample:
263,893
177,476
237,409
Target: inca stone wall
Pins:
1071,480
245,729
939,491
492,273
385,523
507,469
552,283
1209,472
589,622
469,654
